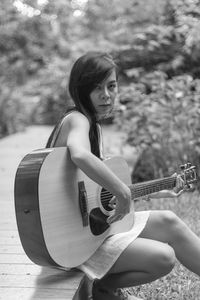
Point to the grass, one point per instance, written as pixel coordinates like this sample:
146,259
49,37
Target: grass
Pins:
180,284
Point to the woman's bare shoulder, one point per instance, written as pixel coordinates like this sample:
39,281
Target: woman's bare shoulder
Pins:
74,122
76,119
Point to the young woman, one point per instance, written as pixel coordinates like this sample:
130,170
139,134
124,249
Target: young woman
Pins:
148,251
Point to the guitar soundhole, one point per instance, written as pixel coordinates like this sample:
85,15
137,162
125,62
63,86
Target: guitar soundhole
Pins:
105,198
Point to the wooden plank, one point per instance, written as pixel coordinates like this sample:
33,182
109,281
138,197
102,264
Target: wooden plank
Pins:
9,220
35,294
21,269
8,209
7,225
9,237
15,259
52,281
7,204
11,249
9,240
33,269
9,233
7,214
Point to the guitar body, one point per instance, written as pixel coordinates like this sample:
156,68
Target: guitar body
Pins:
52,224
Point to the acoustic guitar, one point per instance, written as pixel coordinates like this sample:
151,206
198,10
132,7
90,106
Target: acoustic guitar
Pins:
61,213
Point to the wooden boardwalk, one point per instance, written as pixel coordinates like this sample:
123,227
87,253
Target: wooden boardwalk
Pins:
20,279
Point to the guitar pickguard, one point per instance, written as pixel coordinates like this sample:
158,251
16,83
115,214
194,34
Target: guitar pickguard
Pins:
97,219
99,215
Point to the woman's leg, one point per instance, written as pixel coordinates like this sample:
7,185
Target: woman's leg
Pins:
152,254
143,261
166,227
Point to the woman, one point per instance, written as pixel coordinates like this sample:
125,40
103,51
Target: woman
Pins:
148,251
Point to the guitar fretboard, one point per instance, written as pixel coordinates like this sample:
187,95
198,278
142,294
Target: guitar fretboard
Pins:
152,186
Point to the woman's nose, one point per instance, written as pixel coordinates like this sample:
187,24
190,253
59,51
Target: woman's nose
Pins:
106,94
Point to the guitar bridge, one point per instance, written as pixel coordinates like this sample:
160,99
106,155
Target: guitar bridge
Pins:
83,203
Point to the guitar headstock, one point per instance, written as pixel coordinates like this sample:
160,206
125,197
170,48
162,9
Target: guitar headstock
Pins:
188,174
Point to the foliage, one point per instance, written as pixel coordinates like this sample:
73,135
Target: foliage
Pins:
117,22
188,22
39,43
162,121
172,45
12,112
21,39
155,48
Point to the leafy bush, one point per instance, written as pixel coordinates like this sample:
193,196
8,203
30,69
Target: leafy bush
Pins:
14,114
163,121
171,45
52,92
35,51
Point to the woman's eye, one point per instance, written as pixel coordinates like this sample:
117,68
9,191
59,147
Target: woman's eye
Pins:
112,86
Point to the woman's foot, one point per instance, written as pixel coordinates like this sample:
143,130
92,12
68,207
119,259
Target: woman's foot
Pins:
101,293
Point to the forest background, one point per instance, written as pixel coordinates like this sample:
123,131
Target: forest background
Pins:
156,45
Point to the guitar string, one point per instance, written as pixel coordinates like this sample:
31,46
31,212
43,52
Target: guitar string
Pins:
141,187
107,195
148,186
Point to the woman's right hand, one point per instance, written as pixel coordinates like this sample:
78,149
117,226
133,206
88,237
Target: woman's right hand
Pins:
121,207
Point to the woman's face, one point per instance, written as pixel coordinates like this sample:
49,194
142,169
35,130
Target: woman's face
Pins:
104,95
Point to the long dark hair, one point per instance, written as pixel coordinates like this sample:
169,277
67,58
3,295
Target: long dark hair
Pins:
87,72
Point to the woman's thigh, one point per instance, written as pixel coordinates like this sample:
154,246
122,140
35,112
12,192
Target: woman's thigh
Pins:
163,226
144,255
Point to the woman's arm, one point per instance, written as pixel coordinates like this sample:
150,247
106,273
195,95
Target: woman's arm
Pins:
166,194
78,144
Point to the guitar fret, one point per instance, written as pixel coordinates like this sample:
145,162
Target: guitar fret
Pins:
149,187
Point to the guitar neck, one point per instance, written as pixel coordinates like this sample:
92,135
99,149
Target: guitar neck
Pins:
152,186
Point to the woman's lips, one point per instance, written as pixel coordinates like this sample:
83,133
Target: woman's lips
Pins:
105,105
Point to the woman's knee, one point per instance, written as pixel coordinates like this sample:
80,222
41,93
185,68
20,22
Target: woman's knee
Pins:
164,226
167,257
172,223
167,217
165,260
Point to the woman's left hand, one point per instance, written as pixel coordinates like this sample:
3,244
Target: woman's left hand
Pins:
179,188
176,192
